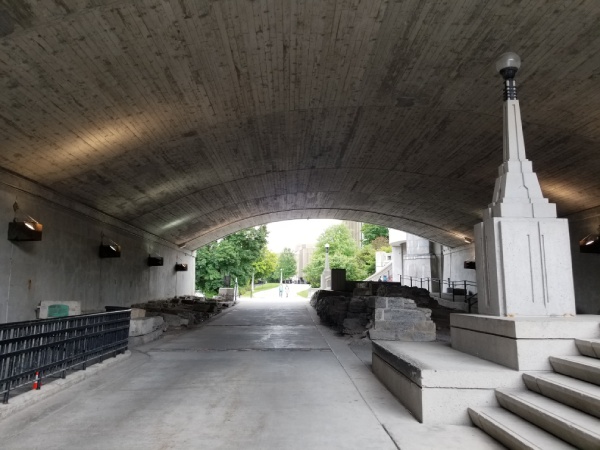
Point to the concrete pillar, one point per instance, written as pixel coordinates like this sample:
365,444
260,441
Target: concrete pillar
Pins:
522,249
524,276
326,275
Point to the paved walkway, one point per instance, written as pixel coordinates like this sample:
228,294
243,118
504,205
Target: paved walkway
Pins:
263,375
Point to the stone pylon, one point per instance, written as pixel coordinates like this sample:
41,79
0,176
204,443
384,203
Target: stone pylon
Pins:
522,248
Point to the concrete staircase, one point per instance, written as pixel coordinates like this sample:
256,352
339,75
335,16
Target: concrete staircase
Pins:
558,410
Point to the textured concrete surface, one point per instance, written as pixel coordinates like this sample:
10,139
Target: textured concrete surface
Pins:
194,119
65,265
302,388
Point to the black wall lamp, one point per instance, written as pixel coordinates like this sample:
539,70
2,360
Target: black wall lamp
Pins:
110,250
27,229
154,261
181,267
590,243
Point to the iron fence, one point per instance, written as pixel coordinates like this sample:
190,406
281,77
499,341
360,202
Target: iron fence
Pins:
34,350
464,289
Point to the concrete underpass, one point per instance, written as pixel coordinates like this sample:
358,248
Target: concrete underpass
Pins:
262,375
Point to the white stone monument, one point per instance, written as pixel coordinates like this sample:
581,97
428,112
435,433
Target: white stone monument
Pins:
524,275
523,248
326,274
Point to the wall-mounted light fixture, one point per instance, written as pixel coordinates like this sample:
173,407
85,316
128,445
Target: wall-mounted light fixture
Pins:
181,267
467,239
590,243
24,228
155,261
110,250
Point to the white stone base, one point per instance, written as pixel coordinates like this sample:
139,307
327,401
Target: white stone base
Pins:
521,343
437,383
145,325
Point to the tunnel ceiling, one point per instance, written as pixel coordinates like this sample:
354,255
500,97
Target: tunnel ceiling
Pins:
193,119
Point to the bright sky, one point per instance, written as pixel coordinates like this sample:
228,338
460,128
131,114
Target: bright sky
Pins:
295,232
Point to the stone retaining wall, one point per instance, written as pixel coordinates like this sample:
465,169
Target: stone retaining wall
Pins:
390,314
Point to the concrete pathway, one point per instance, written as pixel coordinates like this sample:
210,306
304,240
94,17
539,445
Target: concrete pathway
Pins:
263,375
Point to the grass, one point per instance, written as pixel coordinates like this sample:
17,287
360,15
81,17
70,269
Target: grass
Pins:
264,287
303,293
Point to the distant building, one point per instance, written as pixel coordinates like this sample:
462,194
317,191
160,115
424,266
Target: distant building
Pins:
355,230
303,255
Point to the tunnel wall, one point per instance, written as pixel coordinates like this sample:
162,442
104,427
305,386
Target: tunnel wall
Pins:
454,264
65,265
586,266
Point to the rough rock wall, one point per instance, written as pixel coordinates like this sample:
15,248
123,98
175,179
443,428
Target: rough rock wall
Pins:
390,318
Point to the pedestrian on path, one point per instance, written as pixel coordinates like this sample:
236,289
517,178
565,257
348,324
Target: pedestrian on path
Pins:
280,290
287,291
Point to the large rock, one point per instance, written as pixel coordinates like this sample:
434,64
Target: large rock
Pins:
399,319
173,320
145,325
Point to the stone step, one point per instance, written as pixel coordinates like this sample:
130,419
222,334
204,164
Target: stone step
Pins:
569,424
514,432
566,390
581,367
589,347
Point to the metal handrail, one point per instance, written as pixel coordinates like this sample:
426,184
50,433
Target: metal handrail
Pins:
37,349
457,284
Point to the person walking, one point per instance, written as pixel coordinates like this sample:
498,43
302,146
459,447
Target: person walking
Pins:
287,291
280,290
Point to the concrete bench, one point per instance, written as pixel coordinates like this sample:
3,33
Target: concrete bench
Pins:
437,383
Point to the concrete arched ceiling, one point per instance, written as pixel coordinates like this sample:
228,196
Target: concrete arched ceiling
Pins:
193,119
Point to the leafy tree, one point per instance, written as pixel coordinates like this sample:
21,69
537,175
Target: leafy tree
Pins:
381,244
371,232
265,266
365,260
342,255
286,263
234,255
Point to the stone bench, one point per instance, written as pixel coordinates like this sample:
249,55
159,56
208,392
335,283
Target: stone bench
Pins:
437,383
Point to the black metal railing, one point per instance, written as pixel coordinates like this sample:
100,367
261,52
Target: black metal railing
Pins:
34,350
465,290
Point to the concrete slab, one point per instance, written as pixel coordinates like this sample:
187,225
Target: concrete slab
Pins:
566,390
515,432
136,341
436,364
269,397
145,325
569,424
437,383
521,343
583,326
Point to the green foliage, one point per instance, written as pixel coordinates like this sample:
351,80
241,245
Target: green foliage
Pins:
366,261
286,263
371,232
234,255
342,255
303,293
265,266
381,244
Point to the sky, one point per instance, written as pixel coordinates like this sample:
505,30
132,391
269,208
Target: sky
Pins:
291,233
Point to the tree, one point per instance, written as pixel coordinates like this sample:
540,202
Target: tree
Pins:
265,265
381,244
371,232
342,255
365,260
286,264
234,255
